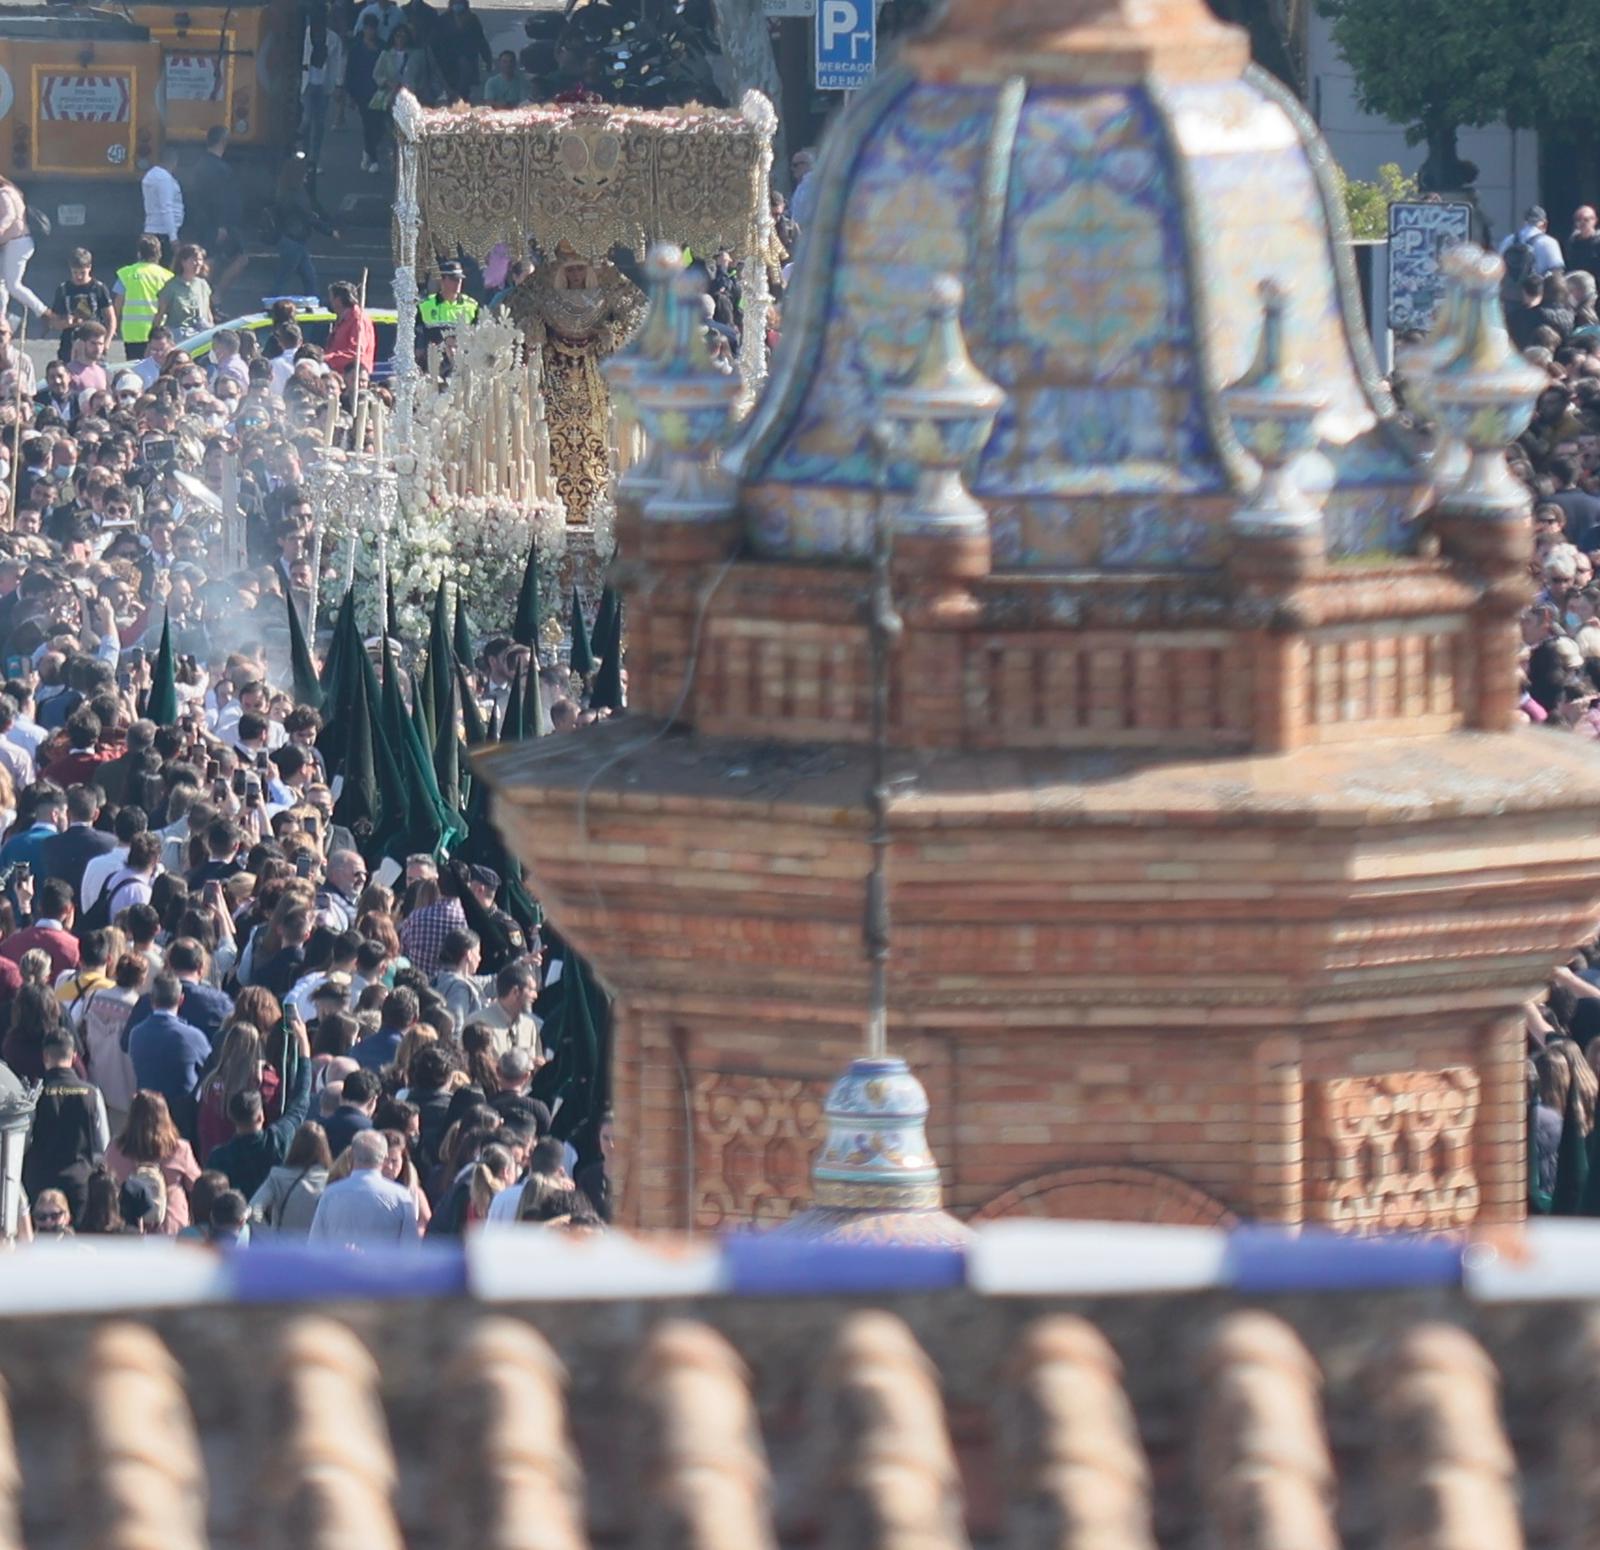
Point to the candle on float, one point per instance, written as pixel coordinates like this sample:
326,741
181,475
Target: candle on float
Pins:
330,420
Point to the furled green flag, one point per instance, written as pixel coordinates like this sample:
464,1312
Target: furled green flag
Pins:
393,800
538,719
447,747
438,682
344,628
360,804
472,722
512,726
162,706
462,639
525,626
307,690
600,630
582,658
340,673
420,719
576,1037
606,692
429,825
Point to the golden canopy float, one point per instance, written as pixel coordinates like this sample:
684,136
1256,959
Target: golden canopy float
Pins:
581,181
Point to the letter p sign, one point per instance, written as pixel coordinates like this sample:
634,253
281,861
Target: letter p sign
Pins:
846,43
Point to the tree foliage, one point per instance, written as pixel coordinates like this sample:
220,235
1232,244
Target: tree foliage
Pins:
1425,63
1367,204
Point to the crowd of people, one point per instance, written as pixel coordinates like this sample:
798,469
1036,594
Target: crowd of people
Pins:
1549,302
244,1012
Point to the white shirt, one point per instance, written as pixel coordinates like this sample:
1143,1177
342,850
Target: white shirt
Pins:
18,763
163,203
365,1208
329,74
99,872
503,1208
26,734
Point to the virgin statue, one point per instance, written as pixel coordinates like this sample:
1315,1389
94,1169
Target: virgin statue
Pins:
576,313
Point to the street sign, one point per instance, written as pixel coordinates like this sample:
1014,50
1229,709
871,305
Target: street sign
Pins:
847,43
789,7
1419,233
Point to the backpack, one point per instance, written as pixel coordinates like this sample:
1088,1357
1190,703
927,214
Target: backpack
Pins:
99,914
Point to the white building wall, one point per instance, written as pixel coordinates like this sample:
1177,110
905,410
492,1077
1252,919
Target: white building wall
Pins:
1508,160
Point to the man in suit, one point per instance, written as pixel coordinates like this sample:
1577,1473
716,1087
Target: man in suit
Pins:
66,854
169,1054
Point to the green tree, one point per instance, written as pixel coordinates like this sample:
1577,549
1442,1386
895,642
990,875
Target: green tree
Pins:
1367,204
1438,66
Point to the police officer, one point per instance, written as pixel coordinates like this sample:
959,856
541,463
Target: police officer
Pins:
447,307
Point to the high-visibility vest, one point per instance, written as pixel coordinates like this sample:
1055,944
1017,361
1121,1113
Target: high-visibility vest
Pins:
436,312
141,284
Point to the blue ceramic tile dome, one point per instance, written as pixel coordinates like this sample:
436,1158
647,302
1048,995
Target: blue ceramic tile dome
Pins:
1112,236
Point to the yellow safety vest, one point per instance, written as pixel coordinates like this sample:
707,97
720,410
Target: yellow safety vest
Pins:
141,284
436,312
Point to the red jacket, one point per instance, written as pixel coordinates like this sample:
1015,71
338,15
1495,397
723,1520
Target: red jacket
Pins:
76,765
61,945
352,334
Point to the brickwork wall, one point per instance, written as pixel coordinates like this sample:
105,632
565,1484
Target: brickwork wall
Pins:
1355,1127
1291,984
1116,661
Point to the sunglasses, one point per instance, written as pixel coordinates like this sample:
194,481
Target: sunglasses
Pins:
49,1218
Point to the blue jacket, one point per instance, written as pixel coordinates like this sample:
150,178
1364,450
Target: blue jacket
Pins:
344,1125
203,1007
377,1050
25,846
168,1056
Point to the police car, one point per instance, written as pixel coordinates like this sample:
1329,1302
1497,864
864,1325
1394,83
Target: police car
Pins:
315,323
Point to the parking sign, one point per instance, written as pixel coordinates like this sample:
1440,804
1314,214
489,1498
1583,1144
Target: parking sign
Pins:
847,43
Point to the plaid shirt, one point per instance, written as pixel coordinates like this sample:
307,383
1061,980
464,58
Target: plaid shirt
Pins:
422,936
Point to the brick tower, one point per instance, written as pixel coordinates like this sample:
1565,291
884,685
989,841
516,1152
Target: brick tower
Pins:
1218,866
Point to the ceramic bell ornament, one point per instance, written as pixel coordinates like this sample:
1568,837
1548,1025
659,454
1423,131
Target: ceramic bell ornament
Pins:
687,407
1486,393
1274,410
939,419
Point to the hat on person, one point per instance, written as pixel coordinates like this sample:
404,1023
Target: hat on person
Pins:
451,268
485,877
140,1204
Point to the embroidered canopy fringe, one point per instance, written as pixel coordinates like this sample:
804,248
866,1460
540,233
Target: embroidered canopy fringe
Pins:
593,176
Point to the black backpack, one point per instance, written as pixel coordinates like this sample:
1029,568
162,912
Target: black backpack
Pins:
100,914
